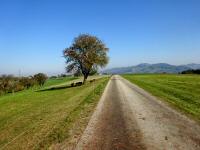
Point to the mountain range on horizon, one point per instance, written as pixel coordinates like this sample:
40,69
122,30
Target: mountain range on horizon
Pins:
152,68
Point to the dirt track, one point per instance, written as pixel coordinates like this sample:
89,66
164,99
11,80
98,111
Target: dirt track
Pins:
128,118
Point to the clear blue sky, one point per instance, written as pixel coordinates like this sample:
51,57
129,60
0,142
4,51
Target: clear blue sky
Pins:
33,33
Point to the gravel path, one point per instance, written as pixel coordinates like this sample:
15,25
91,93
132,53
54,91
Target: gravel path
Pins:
128,118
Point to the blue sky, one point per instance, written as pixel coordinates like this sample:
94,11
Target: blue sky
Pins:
33,33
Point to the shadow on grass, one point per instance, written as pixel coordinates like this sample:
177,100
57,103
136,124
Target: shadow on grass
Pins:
73,85
55,88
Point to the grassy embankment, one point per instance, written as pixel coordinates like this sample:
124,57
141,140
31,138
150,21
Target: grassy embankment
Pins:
181,91
57,81
41,119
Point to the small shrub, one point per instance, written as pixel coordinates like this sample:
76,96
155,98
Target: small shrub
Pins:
40,78
19,87
27,82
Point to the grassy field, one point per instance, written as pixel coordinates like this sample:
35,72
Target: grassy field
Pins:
57,81
182,91
41,119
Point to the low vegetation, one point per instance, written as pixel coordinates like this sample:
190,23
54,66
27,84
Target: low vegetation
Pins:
181,91
191,71
11,84
47,118
40,78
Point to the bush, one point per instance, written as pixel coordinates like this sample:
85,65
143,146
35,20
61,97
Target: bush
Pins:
27,82
7,83
18,87
40,78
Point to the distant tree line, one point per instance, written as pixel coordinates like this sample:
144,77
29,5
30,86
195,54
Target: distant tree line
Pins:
10,84
191,71
59,76
93,71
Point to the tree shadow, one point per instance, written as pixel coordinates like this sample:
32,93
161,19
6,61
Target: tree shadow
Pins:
55,88
72,85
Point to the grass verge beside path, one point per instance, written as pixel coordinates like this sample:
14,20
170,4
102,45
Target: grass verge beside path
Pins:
51,82
39,120
182,91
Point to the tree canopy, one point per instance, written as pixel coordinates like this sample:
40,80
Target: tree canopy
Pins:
86,53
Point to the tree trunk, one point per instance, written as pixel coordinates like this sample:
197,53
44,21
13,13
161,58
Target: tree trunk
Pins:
84,78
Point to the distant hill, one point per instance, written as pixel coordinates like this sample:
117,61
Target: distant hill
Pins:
193,66
152,68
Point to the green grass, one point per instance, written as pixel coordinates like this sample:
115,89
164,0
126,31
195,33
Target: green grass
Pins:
37,120
57,81
182,91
